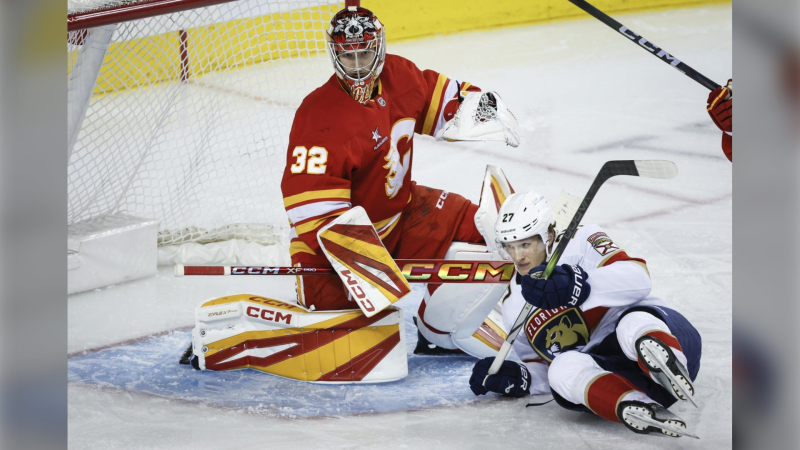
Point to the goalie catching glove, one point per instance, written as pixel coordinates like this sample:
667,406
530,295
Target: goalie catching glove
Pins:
482,116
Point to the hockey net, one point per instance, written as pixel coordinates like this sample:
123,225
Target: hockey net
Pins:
180,111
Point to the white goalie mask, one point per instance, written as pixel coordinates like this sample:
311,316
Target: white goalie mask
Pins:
524,215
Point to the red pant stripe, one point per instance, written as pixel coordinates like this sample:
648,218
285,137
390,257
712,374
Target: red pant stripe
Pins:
604,393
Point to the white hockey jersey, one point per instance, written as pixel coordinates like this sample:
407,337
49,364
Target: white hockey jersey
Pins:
618,283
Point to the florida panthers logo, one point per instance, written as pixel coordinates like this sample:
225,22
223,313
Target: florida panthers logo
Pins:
565,335
403,130
555,331
354,26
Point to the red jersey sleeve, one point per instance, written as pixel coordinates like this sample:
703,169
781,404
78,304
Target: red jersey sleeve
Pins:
443,96
315,185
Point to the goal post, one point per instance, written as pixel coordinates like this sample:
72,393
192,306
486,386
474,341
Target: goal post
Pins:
179,119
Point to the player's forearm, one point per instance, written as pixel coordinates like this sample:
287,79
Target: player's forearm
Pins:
619,284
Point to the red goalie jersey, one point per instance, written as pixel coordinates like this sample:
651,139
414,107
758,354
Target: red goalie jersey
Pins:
343,154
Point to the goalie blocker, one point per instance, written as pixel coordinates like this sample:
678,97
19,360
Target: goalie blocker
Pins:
284,339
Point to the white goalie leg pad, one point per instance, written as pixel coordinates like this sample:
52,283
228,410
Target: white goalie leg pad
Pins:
494,192
458,315
285,339
482,116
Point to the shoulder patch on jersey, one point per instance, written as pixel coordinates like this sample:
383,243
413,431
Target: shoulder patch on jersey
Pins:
602,243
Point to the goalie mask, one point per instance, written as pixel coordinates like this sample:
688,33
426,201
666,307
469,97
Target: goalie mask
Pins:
524,215
357,49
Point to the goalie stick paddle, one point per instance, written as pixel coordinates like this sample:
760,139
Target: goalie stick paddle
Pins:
645,44
646,169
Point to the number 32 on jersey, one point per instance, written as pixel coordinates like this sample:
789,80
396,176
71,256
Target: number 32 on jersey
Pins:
313,161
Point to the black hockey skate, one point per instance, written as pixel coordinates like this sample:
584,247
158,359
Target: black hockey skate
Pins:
645,418
665,367
188,358
425,347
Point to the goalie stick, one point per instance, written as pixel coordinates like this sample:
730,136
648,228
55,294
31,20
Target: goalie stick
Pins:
647,45
647,169
434,271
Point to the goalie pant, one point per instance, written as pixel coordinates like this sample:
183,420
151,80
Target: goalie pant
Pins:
430,222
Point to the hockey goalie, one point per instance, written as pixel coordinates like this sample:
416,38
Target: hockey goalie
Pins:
352,205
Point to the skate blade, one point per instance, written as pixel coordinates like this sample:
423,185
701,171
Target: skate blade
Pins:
674,429
651,348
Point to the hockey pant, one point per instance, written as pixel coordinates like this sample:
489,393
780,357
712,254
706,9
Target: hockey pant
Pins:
596,381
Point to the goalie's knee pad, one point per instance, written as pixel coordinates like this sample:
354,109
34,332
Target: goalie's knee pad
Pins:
285,339
463,316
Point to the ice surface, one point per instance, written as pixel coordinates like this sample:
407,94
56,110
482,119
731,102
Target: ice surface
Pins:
583,95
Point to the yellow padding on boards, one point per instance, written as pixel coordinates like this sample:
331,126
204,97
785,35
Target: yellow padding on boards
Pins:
420,19
244,42
214,48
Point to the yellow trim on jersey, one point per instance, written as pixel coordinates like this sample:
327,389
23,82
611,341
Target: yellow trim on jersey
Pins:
312,225
380,224
388,230
310,195
299,247
436,99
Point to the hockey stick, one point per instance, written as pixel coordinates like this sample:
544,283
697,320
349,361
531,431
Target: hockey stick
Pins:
647,169
647,45
434,271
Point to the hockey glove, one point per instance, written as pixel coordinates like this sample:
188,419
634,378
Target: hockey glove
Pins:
512,380
568,286
481,116
720,107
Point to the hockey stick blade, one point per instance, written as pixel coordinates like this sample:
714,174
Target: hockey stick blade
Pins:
656,169
640,168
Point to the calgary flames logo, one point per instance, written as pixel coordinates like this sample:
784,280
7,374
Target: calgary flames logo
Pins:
402,129
353,26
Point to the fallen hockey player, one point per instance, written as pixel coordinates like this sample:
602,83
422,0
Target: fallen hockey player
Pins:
598,340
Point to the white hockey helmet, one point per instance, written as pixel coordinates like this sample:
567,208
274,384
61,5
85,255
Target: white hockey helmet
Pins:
524,215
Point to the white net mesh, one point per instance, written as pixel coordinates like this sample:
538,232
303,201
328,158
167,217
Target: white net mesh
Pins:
189,119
